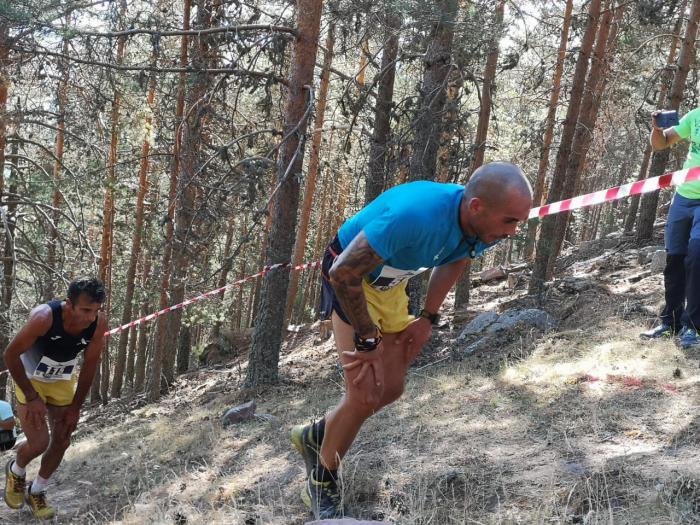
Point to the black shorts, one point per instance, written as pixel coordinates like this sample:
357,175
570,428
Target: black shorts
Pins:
7,439
329,301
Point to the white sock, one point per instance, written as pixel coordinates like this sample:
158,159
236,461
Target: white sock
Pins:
17,470
39,485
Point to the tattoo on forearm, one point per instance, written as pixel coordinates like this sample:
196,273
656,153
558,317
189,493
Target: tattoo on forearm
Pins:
357,260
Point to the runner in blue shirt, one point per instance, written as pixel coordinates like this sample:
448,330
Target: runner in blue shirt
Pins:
8,432
406,230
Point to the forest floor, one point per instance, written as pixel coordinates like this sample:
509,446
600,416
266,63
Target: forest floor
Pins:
584,424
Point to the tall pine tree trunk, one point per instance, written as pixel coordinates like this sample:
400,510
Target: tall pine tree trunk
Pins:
650,201
377,170
8,281
550,121
120,362
184,248
105,266
544,245
428,123
4,88
314,159
585,128
267,336
143,330
223,276
464,283
159,349
633,208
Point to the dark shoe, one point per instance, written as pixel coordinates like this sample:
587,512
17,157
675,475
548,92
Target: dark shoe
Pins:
323,498
689,338
37,502
662,330
303,440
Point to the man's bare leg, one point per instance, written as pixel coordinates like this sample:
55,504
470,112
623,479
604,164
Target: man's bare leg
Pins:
345,420
37,438
58,444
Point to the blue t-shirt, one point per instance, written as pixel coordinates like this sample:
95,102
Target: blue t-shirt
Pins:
413,227
6,413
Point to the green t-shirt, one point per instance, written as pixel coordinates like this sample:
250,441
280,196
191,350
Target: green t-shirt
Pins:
689,128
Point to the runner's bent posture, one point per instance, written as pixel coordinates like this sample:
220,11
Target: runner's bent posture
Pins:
42,360
406,230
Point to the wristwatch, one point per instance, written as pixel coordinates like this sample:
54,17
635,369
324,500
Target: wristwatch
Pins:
433,318
367,344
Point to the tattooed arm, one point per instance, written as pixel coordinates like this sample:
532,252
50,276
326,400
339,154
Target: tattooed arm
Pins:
346,274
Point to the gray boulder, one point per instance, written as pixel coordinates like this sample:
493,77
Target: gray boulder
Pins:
658,261
645,253
477,325
239,414
529,318
490,329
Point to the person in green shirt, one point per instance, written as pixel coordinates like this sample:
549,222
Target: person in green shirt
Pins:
681,313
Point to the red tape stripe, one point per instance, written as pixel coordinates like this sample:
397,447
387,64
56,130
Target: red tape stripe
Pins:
674,178
207,295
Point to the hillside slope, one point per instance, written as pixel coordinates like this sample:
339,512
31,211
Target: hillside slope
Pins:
584,424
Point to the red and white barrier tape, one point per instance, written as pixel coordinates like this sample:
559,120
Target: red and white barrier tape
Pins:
208,295
674,178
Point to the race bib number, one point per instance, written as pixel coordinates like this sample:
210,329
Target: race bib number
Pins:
49,370
390,277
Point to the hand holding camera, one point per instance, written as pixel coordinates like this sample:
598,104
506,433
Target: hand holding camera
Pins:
665,119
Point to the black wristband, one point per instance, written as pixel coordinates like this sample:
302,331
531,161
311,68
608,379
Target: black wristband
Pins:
433,318
367,344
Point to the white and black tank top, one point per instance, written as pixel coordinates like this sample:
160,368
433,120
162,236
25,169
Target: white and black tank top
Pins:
54,355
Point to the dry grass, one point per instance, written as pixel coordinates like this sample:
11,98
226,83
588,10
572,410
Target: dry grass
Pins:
584,425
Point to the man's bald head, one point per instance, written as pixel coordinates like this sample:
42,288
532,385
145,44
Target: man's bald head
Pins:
496,199
492,181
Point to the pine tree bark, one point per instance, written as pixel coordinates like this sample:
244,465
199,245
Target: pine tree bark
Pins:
105,265
544,246
314,159
142,332
487,88
650,201
154,389
377,170
238,314
428,122
8,281
633,208
585,127
191,163
550,121
4,88
437,66
223,276
267,336
312,280
447,152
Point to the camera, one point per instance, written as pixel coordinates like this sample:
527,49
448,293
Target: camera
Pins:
666,119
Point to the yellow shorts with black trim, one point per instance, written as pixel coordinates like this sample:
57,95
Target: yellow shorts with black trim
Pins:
59,393
388,308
